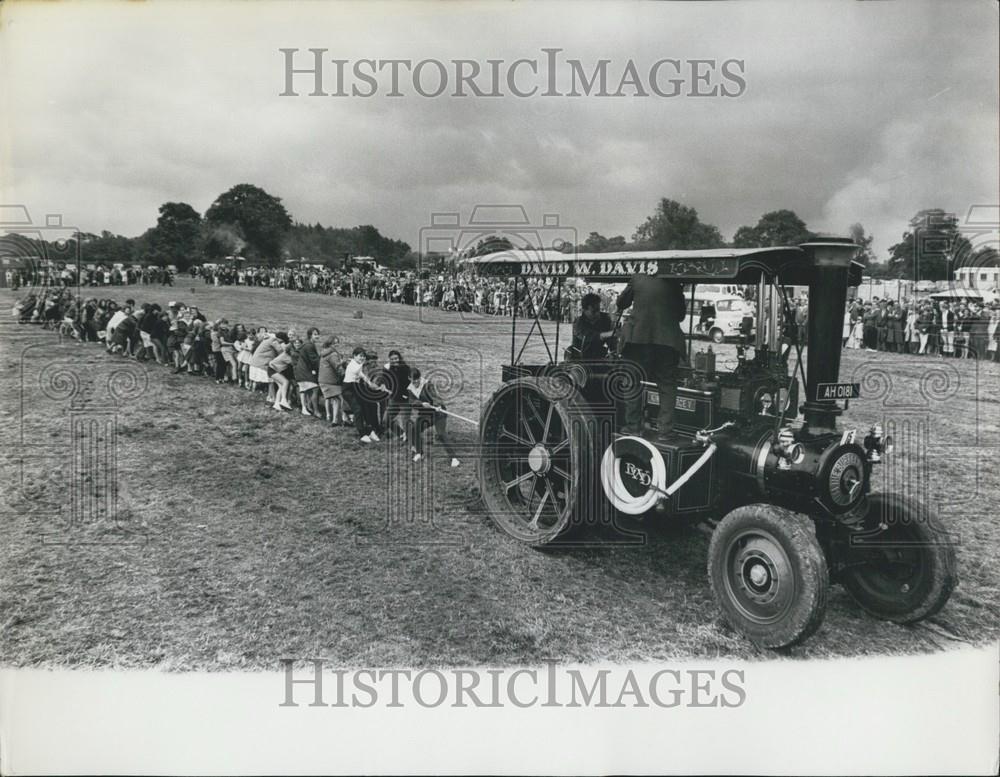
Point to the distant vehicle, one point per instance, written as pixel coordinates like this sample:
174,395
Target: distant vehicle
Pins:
958,294
365,263
924,286
714,288
730,310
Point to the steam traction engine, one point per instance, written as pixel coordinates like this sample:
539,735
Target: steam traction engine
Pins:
793,493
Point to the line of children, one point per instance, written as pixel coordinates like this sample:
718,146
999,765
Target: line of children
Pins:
393,400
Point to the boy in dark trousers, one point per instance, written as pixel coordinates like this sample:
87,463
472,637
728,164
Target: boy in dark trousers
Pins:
426,412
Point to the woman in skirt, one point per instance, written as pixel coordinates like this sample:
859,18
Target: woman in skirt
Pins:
277,367
245,343
331,376
264,351
197,355
268,348
307,372
912,331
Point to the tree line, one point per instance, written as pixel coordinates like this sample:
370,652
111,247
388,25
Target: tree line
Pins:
931,249
249,222
243,221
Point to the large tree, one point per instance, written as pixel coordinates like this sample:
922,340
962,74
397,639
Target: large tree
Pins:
676,226
222,240
107,249
257,217
488,245
864,241
776,228
930,248
330,245
176,238
598,243
746,237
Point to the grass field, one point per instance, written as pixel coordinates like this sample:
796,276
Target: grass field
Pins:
242,535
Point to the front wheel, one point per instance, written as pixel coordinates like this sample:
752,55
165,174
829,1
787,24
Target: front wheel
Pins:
768,574
899,563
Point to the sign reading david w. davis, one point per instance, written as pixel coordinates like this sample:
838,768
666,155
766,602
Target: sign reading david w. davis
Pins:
837,391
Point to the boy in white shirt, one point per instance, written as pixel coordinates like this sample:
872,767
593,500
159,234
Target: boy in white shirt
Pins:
120,315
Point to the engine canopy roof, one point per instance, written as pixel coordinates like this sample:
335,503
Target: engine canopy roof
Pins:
794,265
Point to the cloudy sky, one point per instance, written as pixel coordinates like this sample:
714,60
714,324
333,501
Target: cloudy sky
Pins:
851,112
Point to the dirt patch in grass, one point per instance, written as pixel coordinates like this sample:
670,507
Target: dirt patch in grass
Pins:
241,535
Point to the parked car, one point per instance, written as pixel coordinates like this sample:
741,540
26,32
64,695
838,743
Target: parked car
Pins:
725,322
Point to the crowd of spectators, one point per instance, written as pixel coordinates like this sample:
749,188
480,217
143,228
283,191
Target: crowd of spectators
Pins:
957,329
457,291
91,277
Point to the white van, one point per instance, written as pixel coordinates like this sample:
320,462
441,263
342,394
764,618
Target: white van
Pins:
715,289
730,310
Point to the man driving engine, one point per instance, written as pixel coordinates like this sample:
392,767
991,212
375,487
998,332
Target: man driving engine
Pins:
592,330
655,342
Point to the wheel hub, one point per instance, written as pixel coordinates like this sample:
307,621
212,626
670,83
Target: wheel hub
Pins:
539,460
760,578
758,575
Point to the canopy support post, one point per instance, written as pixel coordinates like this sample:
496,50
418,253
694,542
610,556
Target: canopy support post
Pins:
558,317
691,322
536,323
513,326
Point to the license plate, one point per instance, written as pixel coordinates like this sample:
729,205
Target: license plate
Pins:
837,391
681,403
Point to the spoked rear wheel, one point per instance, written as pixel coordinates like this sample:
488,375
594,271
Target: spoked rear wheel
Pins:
536,460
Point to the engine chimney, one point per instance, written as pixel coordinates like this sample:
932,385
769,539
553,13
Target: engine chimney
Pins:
831,260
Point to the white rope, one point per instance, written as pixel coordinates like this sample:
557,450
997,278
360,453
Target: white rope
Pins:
691,472
449,413
613,489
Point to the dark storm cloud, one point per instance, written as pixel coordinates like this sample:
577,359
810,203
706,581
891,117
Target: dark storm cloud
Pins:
852,112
